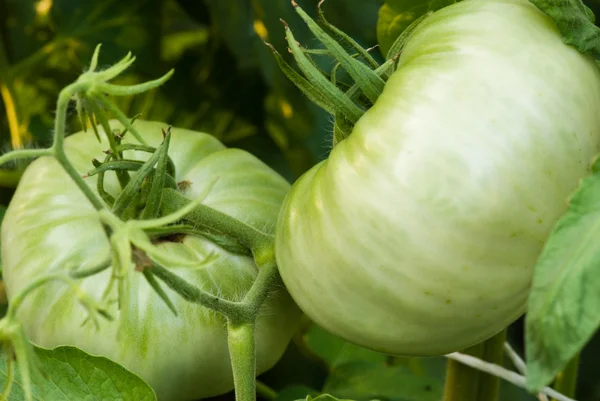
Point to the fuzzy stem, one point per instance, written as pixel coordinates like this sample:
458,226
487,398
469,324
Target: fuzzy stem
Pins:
58,146
566,381
462,382
191,293
213,220
242,350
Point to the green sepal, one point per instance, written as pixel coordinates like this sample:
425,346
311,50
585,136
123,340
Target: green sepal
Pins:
159,290
106,197
154,199
116,165
342,128
98,110
132,189
328,91
364,53
148,149
310,90
369,82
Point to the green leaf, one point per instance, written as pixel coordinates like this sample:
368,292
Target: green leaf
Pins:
361,380
575,22
336,351
361,374
72,375
396,15
563,311
293,393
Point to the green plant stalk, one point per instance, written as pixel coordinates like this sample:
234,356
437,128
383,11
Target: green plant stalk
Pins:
566,381
216,222
464,383
242,351
493,351
59,136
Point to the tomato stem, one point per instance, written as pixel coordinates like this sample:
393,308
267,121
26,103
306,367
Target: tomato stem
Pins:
215,221
461,380
191,293
267,275
493,351
242,351
64,98
464,383
566,380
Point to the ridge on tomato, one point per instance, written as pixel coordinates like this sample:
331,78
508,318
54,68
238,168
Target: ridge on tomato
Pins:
51,226
419,234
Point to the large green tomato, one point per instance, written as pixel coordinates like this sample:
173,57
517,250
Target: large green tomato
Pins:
420,233
50,226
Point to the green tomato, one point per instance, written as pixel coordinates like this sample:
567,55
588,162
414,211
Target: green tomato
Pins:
50,226
419,234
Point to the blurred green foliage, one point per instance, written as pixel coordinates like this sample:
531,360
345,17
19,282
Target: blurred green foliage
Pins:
226,81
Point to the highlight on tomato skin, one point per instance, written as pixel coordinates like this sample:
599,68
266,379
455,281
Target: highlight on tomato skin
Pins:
51,226
419,234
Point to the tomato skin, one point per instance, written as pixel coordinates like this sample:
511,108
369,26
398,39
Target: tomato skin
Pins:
419,234
51,226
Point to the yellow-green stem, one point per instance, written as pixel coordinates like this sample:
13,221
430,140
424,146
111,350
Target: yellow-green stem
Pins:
493,351
467,384
566,381
462,382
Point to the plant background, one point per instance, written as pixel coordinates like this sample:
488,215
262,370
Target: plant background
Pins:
226,83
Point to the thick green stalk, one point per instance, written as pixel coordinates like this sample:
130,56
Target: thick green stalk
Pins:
462,382
566,381
242,350
214,221
493,351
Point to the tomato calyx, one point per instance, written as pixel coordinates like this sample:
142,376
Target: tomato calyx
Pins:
140,197
346,101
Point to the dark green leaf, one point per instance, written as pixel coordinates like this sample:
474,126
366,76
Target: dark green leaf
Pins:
293,393
563,311
575,22
361,374
73,375
361,380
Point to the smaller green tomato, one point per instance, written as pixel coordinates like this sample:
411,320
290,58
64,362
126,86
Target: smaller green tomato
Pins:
420,233
50,226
